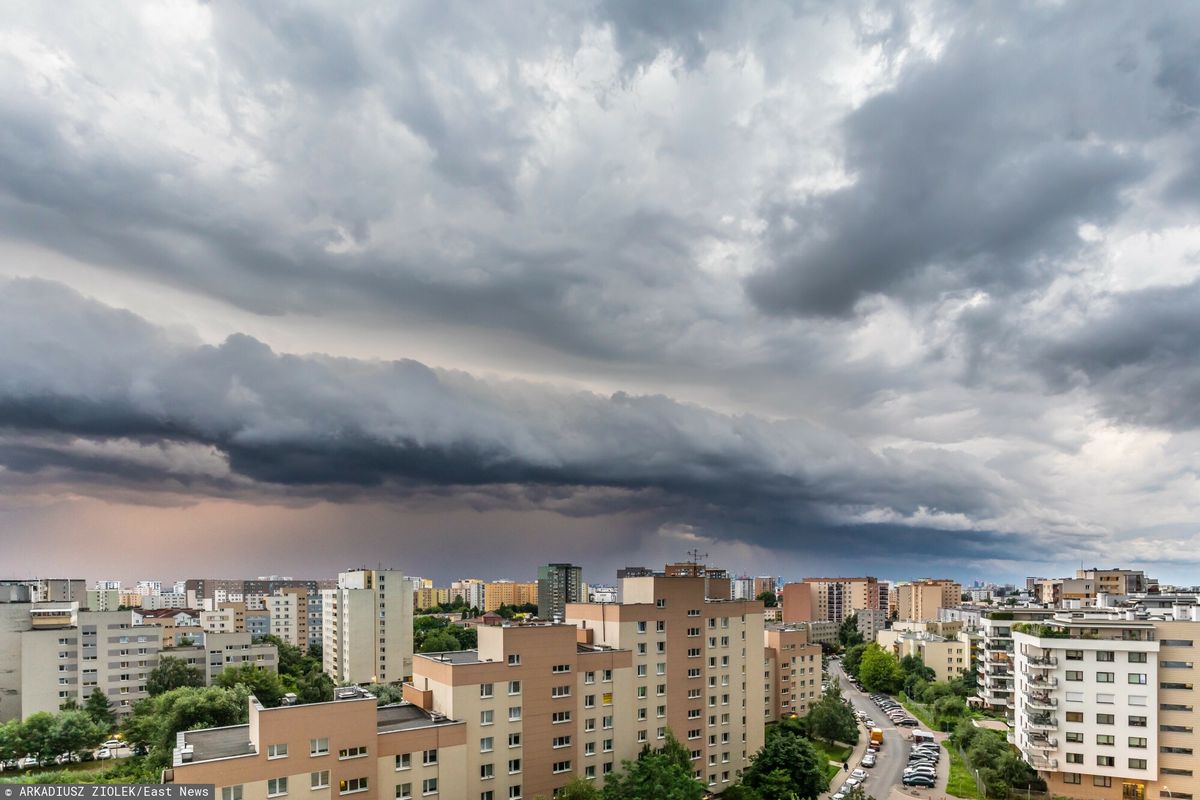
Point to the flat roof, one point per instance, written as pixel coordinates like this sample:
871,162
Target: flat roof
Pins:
406,716
213,743
453,657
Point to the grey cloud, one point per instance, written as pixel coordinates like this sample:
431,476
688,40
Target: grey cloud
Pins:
324,427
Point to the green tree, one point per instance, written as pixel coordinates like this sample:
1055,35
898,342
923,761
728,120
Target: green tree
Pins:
292,660
879,671
387,693
171,673
654,775
75,732
769,599
578,789
263,684
848,633
776,785
740,791
442,641
913,665
831,720
313,686
11,746
100,709
37,736
674,750
852,659
792,755
155,720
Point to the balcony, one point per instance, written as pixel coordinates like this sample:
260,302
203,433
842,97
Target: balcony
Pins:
1043,743
1040,702
1042,662
1035,681
1043,763
1041,723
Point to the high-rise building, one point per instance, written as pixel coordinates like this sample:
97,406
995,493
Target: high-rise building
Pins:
634,572
793,671
698,668
558,584
1104,702
920,600
742,588
509,593
367,627
993,657
471,590
764,583
815,599
102,599
287,612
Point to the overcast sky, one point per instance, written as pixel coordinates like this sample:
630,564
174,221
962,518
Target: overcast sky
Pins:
461,288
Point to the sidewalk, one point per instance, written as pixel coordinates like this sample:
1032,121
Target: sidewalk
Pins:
856,755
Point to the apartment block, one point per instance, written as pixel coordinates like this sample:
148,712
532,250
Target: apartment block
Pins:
175,624
224,617
742,588
542,705
947,657
14,619
319,751
994,668
764,583
792,674
1115,582
828,598
920,600
509,593
56,590
430,597
94,650
287,612
367,627
214,652
102,599
871,621
698,667
558,585
717,583
1105,702
197,590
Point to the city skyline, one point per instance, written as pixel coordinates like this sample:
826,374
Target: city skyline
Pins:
847,289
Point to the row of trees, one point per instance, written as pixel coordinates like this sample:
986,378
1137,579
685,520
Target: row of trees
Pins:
300,673
437,635
44,736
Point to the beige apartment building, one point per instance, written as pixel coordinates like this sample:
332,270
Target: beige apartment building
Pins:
367,627
698,667
93,650
828,598
947,657
224,617
430,597
214,652
177,625
920,600
508,593
1104,706
792,675
319,751
288,610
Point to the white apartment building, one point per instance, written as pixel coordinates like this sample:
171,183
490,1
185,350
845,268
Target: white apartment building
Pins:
148,588
103,599
289,617
993,656
367,627
162,600
217,651
1105,702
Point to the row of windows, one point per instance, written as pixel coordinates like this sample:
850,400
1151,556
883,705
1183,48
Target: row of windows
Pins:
1106,761
1138,678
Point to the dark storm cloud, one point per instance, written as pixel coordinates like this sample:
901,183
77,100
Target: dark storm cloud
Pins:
976,170
1138,356
79,375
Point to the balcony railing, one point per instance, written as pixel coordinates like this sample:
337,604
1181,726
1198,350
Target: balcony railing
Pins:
1039,723
1043,743
1042,762
1040,702
1040,681
1042,662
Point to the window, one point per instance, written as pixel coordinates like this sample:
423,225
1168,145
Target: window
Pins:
485,690
1175,643
486,744
560,716
352,752
514,740
1176,664
429,757
589,772
560,668
1137,741
1074,716
1182,751
486,772
560,691
514,687
1106,655
1105,739
488,795
319,780
514,766
589,677
1137,763
1105,761
1075,737
1101,780
514,713
1072,777
1074,675
1137,722
1104,677
1138,658
277,751
1074,758
607,745
276,787
561,766
1105,719
486,716
514,660
1175,728
589,748
641,670
606,676
404,761
318,747
352,785
1074,655
1173,685
429,786
1137,677
641,627
1107,699
560,741
514,792
1175,707
231,792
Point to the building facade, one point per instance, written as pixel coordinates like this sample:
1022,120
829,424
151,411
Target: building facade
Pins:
921,600
367,634
558,585
833,599
792,674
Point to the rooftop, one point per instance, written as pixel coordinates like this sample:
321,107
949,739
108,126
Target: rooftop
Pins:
213,743
405,716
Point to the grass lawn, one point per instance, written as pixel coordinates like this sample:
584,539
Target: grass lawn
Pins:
838,753
830,770
962,782
921,712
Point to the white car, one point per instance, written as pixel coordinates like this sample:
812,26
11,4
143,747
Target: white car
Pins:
850,783
113,744
860,774
103,753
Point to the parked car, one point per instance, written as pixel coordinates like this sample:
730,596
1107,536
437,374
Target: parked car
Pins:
103,753
868,760
860,774
919,780
113,744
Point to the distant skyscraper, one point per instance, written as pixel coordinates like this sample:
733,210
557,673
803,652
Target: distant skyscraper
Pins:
558,584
